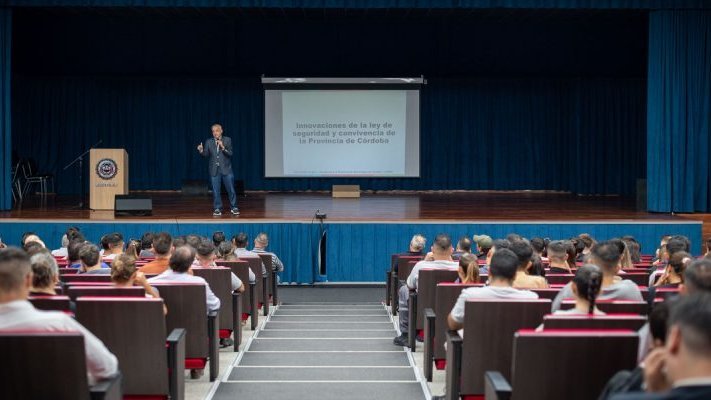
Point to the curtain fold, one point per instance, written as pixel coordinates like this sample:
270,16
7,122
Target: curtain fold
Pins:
679,111
578,135
5,117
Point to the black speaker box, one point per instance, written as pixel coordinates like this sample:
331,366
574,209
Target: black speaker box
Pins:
132,205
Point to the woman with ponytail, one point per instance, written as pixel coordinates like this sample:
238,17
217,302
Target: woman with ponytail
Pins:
586,287
468,269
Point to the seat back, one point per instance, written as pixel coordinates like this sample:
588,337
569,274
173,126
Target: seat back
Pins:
63,374
405,265
600,354
133,329
613,321
549,293
255,264
489,327
614,306
446,295
68,271
85,278
241,269
267,261
220,281
187,308
76,291
640,278
426,286
50,303
559,279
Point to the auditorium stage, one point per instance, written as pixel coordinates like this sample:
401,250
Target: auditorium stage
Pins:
362,233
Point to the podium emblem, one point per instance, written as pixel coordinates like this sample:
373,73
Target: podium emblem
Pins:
106,169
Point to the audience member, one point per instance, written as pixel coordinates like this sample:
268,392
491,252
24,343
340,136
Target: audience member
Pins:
558,257
146,245
45,274
502,271
28,237
464,246
162,246
442,259
483,245
539,246
586,287
468,269
17,314
606,255
226,252
114,246
205,258
62,250
218,237
240,241
91,262
125,274
675,244
524,253
133,248
180,262
261,242
73,260
673,275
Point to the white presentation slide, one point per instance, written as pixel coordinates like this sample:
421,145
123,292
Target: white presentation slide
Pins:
342,133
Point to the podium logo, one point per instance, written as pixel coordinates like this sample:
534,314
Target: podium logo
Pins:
106,169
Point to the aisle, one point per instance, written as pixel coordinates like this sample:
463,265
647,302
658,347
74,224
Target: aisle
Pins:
323,351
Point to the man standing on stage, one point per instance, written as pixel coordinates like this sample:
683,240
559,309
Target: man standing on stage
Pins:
219,152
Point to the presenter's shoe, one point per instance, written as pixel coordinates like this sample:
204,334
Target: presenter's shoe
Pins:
235,211
401,340
217,212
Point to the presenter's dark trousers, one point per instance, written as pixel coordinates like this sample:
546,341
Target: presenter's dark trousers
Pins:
229,181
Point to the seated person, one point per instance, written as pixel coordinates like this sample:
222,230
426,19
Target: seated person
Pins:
240,243
673,275
682,368
45,274
524,253
606,255
558,257
495,245
261,242
91,262
218,237
586,286
146,246
180,263
16,314
483,245
206,259
114,246
161,247
73,248
674,245
441,259
226,252
468,269
502,272
464,246
125,274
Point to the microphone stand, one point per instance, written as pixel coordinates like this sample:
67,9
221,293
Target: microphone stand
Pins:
80,160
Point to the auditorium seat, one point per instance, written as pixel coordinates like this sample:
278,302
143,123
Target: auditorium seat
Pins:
85,278
68,271
76,291
559,279
249,298
548,293
612,321
187,309
614,306
220,282
134,330
598,353
398,278
50,365
489,327
641,279
424,297
260,290
272,288
51,303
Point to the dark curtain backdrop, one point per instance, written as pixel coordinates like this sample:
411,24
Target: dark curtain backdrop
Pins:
5,110
580,135
679,111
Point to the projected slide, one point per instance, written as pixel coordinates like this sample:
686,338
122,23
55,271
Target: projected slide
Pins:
342,133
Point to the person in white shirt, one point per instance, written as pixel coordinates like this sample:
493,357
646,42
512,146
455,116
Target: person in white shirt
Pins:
586,287
180,263
441,258
16,313
502,272
240,241
62,251
115,246
205,258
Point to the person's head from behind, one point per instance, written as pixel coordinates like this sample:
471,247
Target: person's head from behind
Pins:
442,246
45,272
557,252
205,252
28,237
193,240
133,248
483,243
578,245
89,256
123,269
73,250
503,267
225,249
677,265
658,318
218,237
240,240
587,241
182,259
677,243
147,241
33,248
115,243
496,245
523,251
688,344
633,248
606,255
538,245
464,245
468,270
261,241
15,275
587,284
417,243
536,267
697,277
162,244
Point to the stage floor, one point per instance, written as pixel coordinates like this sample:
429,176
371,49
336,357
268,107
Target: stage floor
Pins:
379,207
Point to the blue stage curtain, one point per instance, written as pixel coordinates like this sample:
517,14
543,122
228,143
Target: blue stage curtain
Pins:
5,100
679,111
579,135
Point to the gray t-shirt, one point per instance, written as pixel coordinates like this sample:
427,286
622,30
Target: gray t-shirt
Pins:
622,290
439,264
487,292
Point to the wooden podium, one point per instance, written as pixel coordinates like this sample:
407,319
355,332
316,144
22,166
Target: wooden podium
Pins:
108,172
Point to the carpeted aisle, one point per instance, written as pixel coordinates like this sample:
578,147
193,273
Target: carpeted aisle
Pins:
323,351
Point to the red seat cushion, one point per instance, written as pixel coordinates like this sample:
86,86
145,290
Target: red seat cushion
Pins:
473,397
245,316
225,333
195,363
145,397
441,364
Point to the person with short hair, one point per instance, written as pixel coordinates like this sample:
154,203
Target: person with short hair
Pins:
218,237
114,247
606,255
205,258
240,242
524,252
73,260
146,245
483,245
442,259
539,246
675,244
29,237
497,244
161,246
17,314
218,150
464,246
62,250
180,262
91,262
558,257
261,242
45,274
502,272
